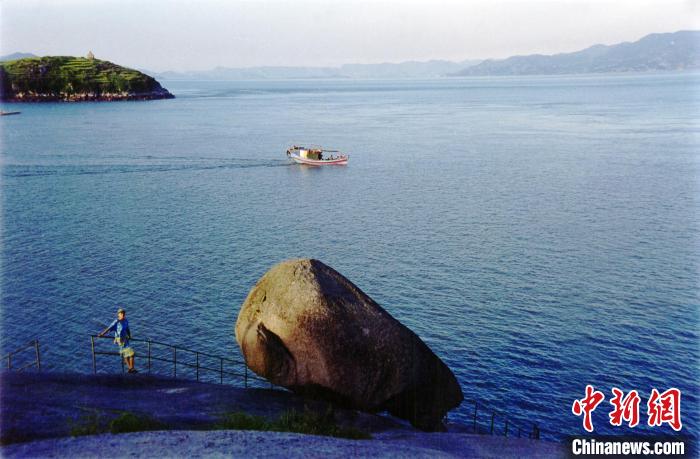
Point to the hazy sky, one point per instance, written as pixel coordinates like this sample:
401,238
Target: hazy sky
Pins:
187,35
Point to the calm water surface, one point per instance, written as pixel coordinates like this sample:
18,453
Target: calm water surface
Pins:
540,234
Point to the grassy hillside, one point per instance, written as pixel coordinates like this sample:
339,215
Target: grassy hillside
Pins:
74,78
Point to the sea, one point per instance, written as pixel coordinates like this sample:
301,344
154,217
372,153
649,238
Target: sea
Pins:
540,234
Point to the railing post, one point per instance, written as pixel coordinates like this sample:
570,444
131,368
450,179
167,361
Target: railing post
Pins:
535,432
475,403
493,416
506,434
150,357
9,361
38,358
174,362
94,363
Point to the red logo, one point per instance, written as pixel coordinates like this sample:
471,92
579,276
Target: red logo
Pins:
665,408
662,408
587,405
625,409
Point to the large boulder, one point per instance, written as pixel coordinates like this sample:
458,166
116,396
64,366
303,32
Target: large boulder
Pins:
307,328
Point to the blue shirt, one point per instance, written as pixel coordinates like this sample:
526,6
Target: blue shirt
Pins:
121,331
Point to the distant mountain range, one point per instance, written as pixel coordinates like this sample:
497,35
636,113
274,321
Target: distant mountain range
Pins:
412,69
655,52
15,56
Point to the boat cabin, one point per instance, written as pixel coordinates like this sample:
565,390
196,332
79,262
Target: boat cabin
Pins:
311,153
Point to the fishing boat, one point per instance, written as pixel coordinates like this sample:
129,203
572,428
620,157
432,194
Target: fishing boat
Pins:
316,156
8,113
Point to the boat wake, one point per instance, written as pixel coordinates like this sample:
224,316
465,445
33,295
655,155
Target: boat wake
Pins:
97,169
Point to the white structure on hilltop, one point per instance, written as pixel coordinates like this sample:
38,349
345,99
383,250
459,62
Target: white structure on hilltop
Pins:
90,55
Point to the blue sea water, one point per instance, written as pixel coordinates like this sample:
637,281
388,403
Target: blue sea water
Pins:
539,234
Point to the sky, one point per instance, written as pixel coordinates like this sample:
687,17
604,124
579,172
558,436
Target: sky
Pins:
182,35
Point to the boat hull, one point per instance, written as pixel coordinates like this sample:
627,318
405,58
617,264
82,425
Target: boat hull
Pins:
342,161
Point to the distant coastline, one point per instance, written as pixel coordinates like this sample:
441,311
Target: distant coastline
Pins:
659,52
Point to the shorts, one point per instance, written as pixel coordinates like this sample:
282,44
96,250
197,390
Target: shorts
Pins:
126,351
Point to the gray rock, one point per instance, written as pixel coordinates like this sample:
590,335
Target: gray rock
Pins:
306,327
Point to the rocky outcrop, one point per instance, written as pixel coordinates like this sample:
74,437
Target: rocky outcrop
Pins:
33,96
306,327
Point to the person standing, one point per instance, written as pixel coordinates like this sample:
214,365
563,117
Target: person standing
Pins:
122,335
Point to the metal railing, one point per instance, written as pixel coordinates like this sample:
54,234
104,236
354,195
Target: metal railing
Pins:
174,351
33,345
496,423
504,427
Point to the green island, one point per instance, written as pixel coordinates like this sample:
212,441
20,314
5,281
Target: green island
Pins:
73,79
